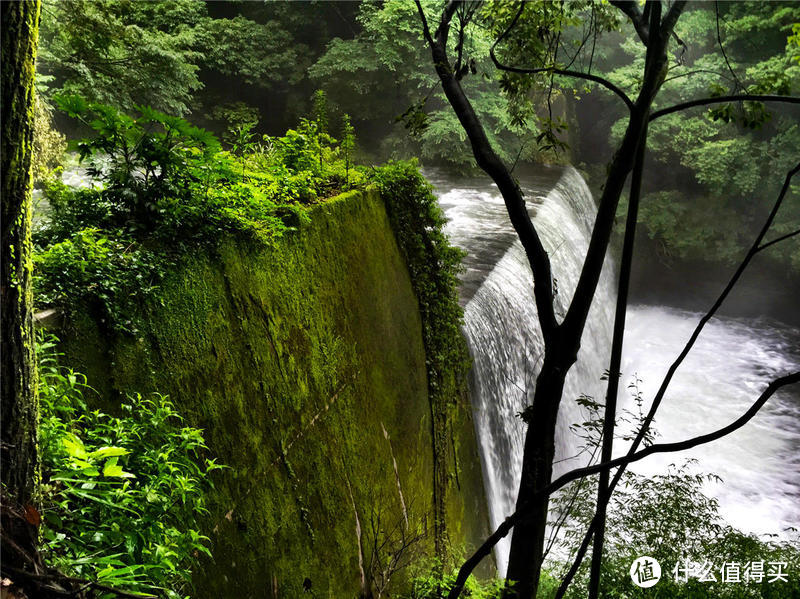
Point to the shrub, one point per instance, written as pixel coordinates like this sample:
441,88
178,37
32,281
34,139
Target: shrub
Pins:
99,273
122,495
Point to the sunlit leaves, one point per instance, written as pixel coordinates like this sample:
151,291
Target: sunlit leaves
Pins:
122,495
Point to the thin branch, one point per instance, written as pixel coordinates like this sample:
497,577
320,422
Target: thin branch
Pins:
621,164
694,72
594,38
575,74
579,555
755,407
710,314
566,72
736,83
563,518
778,240
722,99
669,20
425,29
614,369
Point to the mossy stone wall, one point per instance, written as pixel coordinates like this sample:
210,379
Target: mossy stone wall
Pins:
304,363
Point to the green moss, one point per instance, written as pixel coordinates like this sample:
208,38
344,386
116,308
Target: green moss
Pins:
418,223
20,408
295,358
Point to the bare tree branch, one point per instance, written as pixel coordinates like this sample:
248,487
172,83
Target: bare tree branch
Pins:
614,368
737,85
575,74
669,20
723,99
621,164
778,240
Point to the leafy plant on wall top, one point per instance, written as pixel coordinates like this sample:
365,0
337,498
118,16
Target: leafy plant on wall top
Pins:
162,185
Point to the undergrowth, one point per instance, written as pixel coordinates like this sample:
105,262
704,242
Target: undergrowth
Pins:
121,495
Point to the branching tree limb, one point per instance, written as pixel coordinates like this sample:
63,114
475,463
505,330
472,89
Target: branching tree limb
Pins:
562,341
552,69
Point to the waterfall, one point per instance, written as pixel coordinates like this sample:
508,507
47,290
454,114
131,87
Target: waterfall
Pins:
501,324
731,364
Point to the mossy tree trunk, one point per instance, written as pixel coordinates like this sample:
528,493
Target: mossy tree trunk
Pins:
20,460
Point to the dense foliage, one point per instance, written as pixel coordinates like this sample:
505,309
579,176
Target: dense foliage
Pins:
389,53
160,186
122,495
714,172
129,53
186,57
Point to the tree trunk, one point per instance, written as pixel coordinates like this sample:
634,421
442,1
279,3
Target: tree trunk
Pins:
527,541
20,411
562,341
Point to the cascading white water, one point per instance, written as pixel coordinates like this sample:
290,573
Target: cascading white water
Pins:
729,367
501,324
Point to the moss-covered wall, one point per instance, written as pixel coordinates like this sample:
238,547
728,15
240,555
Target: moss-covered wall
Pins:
305,365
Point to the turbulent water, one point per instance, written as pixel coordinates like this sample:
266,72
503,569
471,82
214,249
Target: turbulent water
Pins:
728,369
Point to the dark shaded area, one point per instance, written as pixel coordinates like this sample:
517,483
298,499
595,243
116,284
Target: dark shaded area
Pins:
765,290
311,25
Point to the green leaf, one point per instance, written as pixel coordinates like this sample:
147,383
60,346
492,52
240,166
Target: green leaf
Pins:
108,452
113,470
74,446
